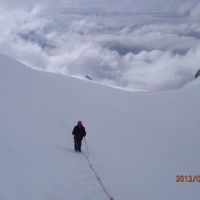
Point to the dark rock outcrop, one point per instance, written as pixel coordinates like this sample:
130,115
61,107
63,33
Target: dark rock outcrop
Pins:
197,74
88,77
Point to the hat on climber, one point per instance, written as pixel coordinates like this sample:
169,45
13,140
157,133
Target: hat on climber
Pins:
79,123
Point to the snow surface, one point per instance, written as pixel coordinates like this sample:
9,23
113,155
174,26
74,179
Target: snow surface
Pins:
138,141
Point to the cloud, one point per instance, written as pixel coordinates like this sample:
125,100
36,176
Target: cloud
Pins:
17,4
126,49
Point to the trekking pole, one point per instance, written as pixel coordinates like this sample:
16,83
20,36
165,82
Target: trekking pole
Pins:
86,145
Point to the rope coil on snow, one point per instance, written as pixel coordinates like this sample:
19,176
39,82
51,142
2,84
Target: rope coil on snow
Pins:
98,178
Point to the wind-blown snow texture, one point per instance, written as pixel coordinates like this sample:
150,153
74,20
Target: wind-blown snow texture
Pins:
138,141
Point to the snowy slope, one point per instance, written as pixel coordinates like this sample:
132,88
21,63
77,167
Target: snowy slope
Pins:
138,141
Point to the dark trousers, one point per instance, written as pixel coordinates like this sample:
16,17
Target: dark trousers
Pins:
77,143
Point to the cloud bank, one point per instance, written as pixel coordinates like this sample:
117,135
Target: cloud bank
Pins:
144,47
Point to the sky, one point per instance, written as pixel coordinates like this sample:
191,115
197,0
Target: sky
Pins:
133,44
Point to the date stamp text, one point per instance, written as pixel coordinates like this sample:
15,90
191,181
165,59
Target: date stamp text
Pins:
188,178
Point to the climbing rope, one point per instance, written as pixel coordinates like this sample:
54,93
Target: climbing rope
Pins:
98,178
86,145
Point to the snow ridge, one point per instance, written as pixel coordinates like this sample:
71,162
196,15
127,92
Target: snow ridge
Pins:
138,141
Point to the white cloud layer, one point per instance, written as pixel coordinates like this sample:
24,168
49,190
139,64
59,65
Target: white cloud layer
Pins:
150,47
